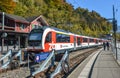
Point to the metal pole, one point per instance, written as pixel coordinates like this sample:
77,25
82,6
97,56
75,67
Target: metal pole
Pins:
26,43
19,42
2,32
3,18
28,62
2,45
114,29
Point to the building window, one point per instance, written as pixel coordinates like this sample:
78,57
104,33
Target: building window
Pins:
33,26
22,26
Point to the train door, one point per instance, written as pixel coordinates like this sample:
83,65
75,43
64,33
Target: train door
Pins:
81,40
78,41
88,42
74,42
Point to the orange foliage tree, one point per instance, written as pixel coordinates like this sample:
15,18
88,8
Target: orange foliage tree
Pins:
7,6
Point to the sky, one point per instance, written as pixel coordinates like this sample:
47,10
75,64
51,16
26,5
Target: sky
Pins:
103,7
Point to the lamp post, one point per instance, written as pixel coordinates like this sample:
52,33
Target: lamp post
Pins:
4,34
114,30
114,22
3,14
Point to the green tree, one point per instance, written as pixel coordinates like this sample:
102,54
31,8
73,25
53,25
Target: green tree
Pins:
20,9
61,14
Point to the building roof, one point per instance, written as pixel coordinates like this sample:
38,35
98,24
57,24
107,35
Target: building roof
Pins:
42,20
16,18
27,20
30,19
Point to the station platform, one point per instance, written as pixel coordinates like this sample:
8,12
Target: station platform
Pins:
101,64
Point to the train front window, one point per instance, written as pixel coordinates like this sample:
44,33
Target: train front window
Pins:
35,37
36,34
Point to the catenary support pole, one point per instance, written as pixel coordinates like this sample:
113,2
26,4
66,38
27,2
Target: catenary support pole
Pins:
114,30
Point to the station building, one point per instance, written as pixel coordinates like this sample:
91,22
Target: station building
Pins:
14,30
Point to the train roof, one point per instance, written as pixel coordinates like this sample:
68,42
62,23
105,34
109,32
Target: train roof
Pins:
60,30
45,27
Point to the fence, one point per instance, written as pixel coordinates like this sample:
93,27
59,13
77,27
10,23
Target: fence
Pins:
6,59
116,50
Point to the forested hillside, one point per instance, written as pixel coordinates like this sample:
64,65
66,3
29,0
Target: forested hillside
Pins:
59,13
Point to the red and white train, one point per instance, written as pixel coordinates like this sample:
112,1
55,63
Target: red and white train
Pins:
43,40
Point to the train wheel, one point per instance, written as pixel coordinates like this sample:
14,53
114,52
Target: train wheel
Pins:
65,66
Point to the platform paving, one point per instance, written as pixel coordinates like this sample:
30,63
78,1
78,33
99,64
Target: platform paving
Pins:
101,64
82,71
106,66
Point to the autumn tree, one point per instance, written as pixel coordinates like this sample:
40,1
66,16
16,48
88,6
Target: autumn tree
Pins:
61,14
7,6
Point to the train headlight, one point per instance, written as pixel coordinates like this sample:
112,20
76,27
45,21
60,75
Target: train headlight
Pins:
37,58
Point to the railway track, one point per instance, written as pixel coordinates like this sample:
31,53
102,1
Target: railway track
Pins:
75,58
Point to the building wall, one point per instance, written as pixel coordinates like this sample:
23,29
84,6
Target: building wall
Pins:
20,36
34,24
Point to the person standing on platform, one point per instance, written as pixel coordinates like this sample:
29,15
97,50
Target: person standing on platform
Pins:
107,44
104,45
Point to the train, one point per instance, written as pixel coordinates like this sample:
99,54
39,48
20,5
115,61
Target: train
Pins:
42,40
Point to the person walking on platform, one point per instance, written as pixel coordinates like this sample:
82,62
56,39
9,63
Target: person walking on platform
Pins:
104,45
107,44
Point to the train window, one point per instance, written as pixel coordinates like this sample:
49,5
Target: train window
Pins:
48,37
85,40
62,37
91,40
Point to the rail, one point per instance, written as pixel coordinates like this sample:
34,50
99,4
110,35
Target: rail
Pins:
44,66
59,67
62,65
19,54
8,58
5,64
